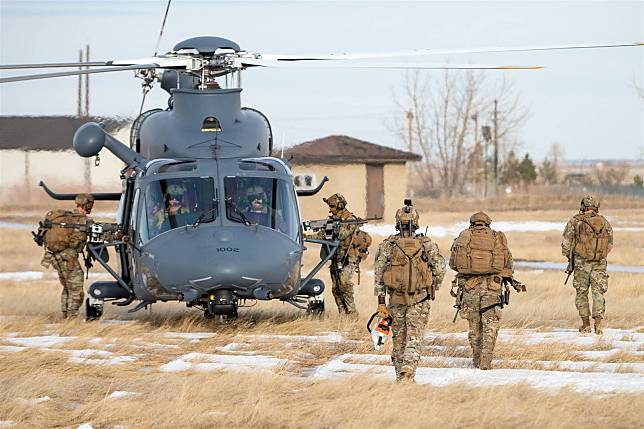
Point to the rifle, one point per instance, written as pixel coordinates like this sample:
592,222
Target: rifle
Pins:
571,265
332,226
98,232
459,298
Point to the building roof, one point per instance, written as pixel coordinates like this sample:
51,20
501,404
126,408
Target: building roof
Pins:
47,132
344,150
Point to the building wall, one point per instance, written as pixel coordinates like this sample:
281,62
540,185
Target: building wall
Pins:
12,168
348,179
395,190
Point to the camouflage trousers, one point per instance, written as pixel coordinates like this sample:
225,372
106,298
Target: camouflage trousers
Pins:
483,315
593,276
70,275
342,288
407,326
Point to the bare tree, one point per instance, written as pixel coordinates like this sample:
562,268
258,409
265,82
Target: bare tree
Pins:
443,128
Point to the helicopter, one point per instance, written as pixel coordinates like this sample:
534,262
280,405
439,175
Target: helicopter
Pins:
208,215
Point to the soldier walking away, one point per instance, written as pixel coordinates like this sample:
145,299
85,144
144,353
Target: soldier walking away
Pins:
483,262
346,259
410,268
587,240
62,247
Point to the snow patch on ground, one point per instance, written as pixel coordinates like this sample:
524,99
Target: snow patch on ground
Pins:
11,348
551,380
35,401
193,336
98,357
119,394
86,426
21,276
505,226
40,341
331,337
210,362
7,423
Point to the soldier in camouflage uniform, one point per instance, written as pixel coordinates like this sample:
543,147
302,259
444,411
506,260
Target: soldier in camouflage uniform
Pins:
589,267
65,261
344,262
409,294
481,294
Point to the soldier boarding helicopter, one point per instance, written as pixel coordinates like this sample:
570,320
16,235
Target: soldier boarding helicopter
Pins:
207,216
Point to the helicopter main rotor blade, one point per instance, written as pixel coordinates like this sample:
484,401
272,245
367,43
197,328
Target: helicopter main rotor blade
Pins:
48,65
77,72
394,66
424,52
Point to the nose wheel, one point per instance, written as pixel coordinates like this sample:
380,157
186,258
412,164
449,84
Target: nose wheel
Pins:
315,305
93,309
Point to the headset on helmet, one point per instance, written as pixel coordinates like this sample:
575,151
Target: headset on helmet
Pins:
86,201
407,215
590,202
480,217
336,200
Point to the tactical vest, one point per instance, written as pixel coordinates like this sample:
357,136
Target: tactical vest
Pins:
591,237
360,243
408,270
479,250
58,238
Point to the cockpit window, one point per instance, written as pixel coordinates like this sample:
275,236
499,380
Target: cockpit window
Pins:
173,203
262,201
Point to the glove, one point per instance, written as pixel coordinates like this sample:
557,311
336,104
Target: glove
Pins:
383,313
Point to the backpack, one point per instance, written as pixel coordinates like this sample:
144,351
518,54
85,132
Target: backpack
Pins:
408,270
591,237
360,243
58,238
479,250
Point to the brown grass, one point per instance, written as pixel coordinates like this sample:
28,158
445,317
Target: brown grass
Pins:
285,398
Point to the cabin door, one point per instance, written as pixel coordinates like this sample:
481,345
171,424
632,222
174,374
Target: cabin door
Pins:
375,190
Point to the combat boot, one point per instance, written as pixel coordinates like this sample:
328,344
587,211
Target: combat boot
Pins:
476,358
598,325
585,325
486,361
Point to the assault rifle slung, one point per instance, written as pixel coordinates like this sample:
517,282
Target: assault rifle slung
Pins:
331,227
97,232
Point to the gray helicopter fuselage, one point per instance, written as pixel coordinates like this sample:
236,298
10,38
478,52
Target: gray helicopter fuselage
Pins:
192,260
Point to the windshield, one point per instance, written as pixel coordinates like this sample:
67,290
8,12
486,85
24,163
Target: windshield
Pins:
173,203
262,201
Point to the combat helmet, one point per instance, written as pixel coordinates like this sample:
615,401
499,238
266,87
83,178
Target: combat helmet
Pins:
176,190
480,217
407,216
336,200
590,202
85,201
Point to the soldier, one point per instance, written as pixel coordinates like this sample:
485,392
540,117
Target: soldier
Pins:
345,260
410,268
587,240
62,246
483,262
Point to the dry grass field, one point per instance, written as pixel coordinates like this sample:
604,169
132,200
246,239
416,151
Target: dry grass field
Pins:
275,367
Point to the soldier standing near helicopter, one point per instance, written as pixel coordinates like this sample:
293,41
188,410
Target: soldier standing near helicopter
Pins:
345,260
62,247
410,268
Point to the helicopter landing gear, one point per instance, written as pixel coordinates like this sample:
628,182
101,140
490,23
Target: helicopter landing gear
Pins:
221,303
315,305
93,308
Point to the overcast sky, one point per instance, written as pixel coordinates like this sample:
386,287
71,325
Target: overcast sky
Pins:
586,100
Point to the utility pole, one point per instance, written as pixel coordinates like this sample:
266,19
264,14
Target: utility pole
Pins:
477,149
87,82
79,111
410,118
496,146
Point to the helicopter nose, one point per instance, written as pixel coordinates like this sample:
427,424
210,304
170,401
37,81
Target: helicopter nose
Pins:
243,258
